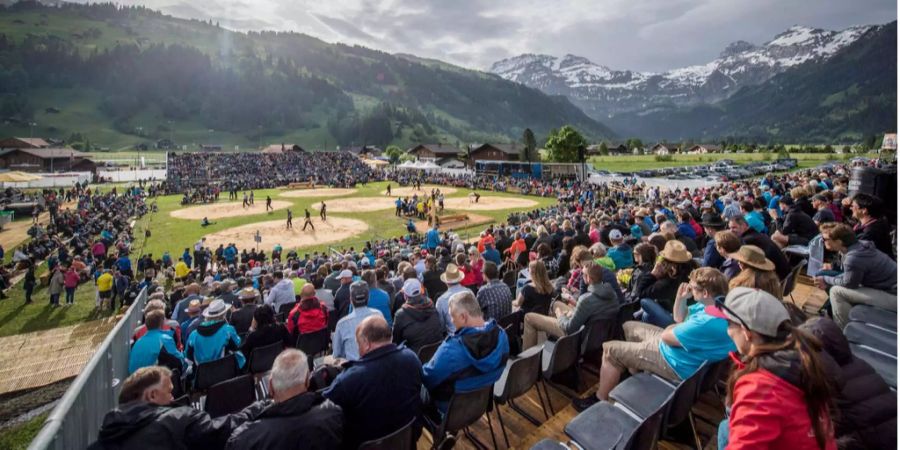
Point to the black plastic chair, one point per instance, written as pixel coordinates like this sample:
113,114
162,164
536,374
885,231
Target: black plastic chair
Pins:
790,281
519,376
230,396
314,343
645,392
883,363
716,373
607,426
597,332
427,351
559,363
513,324
465,408
214,372
871,336
262,358
285,309
871,315
401,439
177,385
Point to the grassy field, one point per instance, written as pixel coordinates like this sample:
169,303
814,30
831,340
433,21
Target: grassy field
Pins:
632,163
17,437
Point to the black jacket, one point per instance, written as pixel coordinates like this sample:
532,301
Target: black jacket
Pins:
879,232
417,326
662,290
342,300
264,336
867,409
306,421
241,319
139,425
797,222
434,287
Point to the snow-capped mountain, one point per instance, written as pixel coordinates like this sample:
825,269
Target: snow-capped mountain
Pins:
603,92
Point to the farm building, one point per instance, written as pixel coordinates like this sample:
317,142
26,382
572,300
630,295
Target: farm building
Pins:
46,160
433,151
495,152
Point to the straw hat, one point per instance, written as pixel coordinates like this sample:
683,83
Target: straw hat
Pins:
753,256
676,252
452,275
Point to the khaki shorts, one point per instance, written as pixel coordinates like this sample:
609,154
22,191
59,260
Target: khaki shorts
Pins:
639,352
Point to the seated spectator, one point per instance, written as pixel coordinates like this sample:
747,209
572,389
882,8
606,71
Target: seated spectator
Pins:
796,228
824,213
756,271
294,418
598,303
308,316
214,337
378,298
452,277
869,276
871,224
282,293
675,352
866,405
242,316
169,326
538,293
644,261
153,340
265,331
380,392
145,419
657,292
778,392
191,292
726,244
601,256
417,322
749,236
712,224
344,338
431,278
474,357
490,253
619,252
494,297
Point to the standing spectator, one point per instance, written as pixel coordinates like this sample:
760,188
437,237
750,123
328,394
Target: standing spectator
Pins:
70,282
29,283
294,418
56,285
105,288
494,297
379,393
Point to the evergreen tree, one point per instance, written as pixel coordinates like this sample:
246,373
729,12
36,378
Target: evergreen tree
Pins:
530,149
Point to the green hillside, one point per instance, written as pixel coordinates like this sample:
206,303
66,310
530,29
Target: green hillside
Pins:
850,97
127,75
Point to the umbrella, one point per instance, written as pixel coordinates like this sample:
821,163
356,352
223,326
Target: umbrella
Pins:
18,177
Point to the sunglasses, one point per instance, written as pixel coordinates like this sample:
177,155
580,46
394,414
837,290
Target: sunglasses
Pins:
720,303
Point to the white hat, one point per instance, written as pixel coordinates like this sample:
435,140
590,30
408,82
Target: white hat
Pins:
217,308
615,235
412,287
345,274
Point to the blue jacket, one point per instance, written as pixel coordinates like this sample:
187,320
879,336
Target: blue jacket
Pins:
230,253
146,350
492,255
687,230
379,393
711,257
212,341
622,256
432,239
470,359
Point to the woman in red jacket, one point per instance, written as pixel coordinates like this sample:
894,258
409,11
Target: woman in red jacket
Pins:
778,390
70,281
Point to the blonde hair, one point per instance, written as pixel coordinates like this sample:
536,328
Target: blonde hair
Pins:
539,278
579,254
758,279
711,280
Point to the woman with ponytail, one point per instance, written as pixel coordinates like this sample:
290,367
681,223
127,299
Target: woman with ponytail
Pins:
778,391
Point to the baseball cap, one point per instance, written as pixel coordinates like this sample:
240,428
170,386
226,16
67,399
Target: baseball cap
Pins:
346,273
359,290
412,287
615,235
755,309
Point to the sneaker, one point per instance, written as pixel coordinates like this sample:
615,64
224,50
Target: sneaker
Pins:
581,404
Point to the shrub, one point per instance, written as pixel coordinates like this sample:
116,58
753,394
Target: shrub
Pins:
662,158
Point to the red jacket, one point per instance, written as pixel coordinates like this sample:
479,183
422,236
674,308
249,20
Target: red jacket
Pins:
70,279
302,321
768,412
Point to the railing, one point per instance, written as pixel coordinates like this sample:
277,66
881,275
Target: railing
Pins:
74,422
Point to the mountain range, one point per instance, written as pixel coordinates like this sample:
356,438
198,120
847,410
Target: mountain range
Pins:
624,98
125,75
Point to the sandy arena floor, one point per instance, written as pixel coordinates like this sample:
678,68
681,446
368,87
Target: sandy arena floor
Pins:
487,203
318,192
274,232
397,191
223,210
357,204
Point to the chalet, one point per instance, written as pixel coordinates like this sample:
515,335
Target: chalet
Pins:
433,151
17,142
612,148
663,149
701,149
495,152
366,151
46,160
282,148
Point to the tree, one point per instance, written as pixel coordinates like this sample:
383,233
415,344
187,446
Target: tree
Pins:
604,150
393,153
563,144
530,150
783,152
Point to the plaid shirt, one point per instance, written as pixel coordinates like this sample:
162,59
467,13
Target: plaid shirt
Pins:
495,299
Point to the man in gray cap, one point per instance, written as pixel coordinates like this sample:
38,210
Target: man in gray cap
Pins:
344,339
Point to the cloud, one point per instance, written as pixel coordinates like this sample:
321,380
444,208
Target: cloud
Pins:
646,35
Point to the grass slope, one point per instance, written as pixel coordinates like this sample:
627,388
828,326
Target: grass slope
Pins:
634,163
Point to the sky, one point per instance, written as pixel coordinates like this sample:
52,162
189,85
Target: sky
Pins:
642,35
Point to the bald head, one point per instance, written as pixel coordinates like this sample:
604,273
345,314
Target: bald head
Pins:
372,333
308,291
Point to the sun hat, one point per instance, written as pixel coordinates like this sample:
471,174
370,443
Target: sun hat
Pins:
193,307
346,273
753,256
676,252
217,308
755,309
452,275
412,287
248,293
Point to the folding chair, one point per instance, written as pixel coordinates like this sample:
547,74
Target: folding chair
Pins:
871,315
230,396
597,332
519,376
465,408
216,371
559,363
607,426
260,363
427,351
401,439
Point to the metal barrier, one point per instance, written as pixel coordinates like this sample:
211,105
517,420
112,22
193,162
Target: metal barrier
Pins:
74,422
